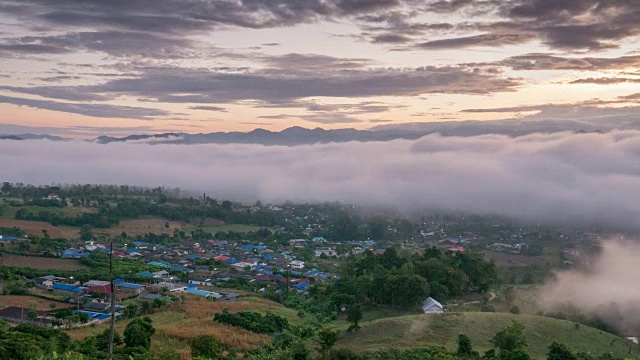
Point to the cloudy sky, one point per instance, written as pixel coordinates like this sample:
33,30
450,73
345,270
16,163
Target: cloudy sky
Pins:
91,67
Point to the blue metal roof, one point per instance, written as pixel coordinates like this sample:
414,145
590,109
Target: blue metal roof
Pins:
130,286
66,287
160,264
231,261
144,273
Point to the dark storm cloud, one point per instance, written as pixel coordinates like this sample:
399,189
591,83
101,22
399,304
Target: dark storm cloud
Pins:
95,110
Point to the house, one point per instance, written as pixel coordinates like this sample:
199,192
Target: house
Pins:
46,282
20,315
73,254
200,281
193,290
91,283
101,307
160,274
172,287
325,251
297,264
99,289
130,288
66,289
431,306
456,249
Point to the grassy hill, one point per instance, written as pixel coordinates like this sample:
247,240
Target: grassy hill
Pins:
443,329
179,323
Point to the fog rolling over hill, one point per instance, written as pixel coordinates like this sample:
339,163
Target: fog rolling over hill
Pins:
587,178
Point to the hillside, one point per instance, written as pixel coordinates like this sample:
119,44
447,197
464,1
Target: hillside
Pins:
443,329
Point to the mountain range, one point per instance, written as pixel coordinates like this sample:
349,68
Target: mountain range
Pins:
295,136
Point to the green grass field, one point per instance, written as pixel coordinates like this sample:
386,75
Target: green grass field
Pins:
10,211
443,329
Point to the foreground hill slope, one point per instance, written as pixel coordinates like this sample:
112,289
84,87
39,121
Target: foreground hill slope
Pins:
443,329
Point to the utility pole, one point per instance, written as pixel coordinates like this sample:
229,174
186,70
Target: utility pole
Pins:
113,302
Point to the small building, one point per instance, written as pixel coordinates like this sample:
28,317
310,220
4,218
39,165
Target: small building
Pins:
66,289
325,251
431,306
200,281
130,288
297,264
47,282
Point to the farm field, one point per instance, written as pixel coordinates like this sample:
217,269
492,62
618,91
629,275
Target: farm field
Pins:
25,301
35,228
180,322
443,329
41,262
141,227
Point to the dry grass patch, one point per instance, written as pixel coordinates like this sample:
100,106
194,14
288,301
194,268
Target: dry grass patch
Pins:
234,337
143,226
35,228
25,301
41,262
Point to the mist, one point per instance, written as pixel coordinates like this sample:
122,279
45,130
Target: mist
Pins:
608,290
562,177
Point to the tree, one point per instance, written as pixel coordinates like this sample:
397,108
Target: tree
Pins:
560,351
102,340
464,345
138,333
354,315
509,296
6,187
85,233
510,338
131,310
207,347
32,314
326,339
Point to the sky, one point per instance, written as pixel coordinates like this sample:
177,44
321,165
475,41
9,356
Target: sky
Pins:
119,67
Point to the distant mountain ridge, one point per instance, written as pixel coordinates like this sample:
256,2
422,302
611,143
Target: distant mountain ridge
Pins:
295,136
292,136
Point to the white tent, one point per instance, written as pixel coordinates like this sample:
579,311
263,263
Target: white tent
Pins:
431,306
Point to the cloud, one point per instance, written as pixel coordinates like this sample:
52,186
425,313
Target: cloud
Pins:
95,110
116,43
390,38
477,40
551,62
554,178
606,80
607,290
170,85
209,108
